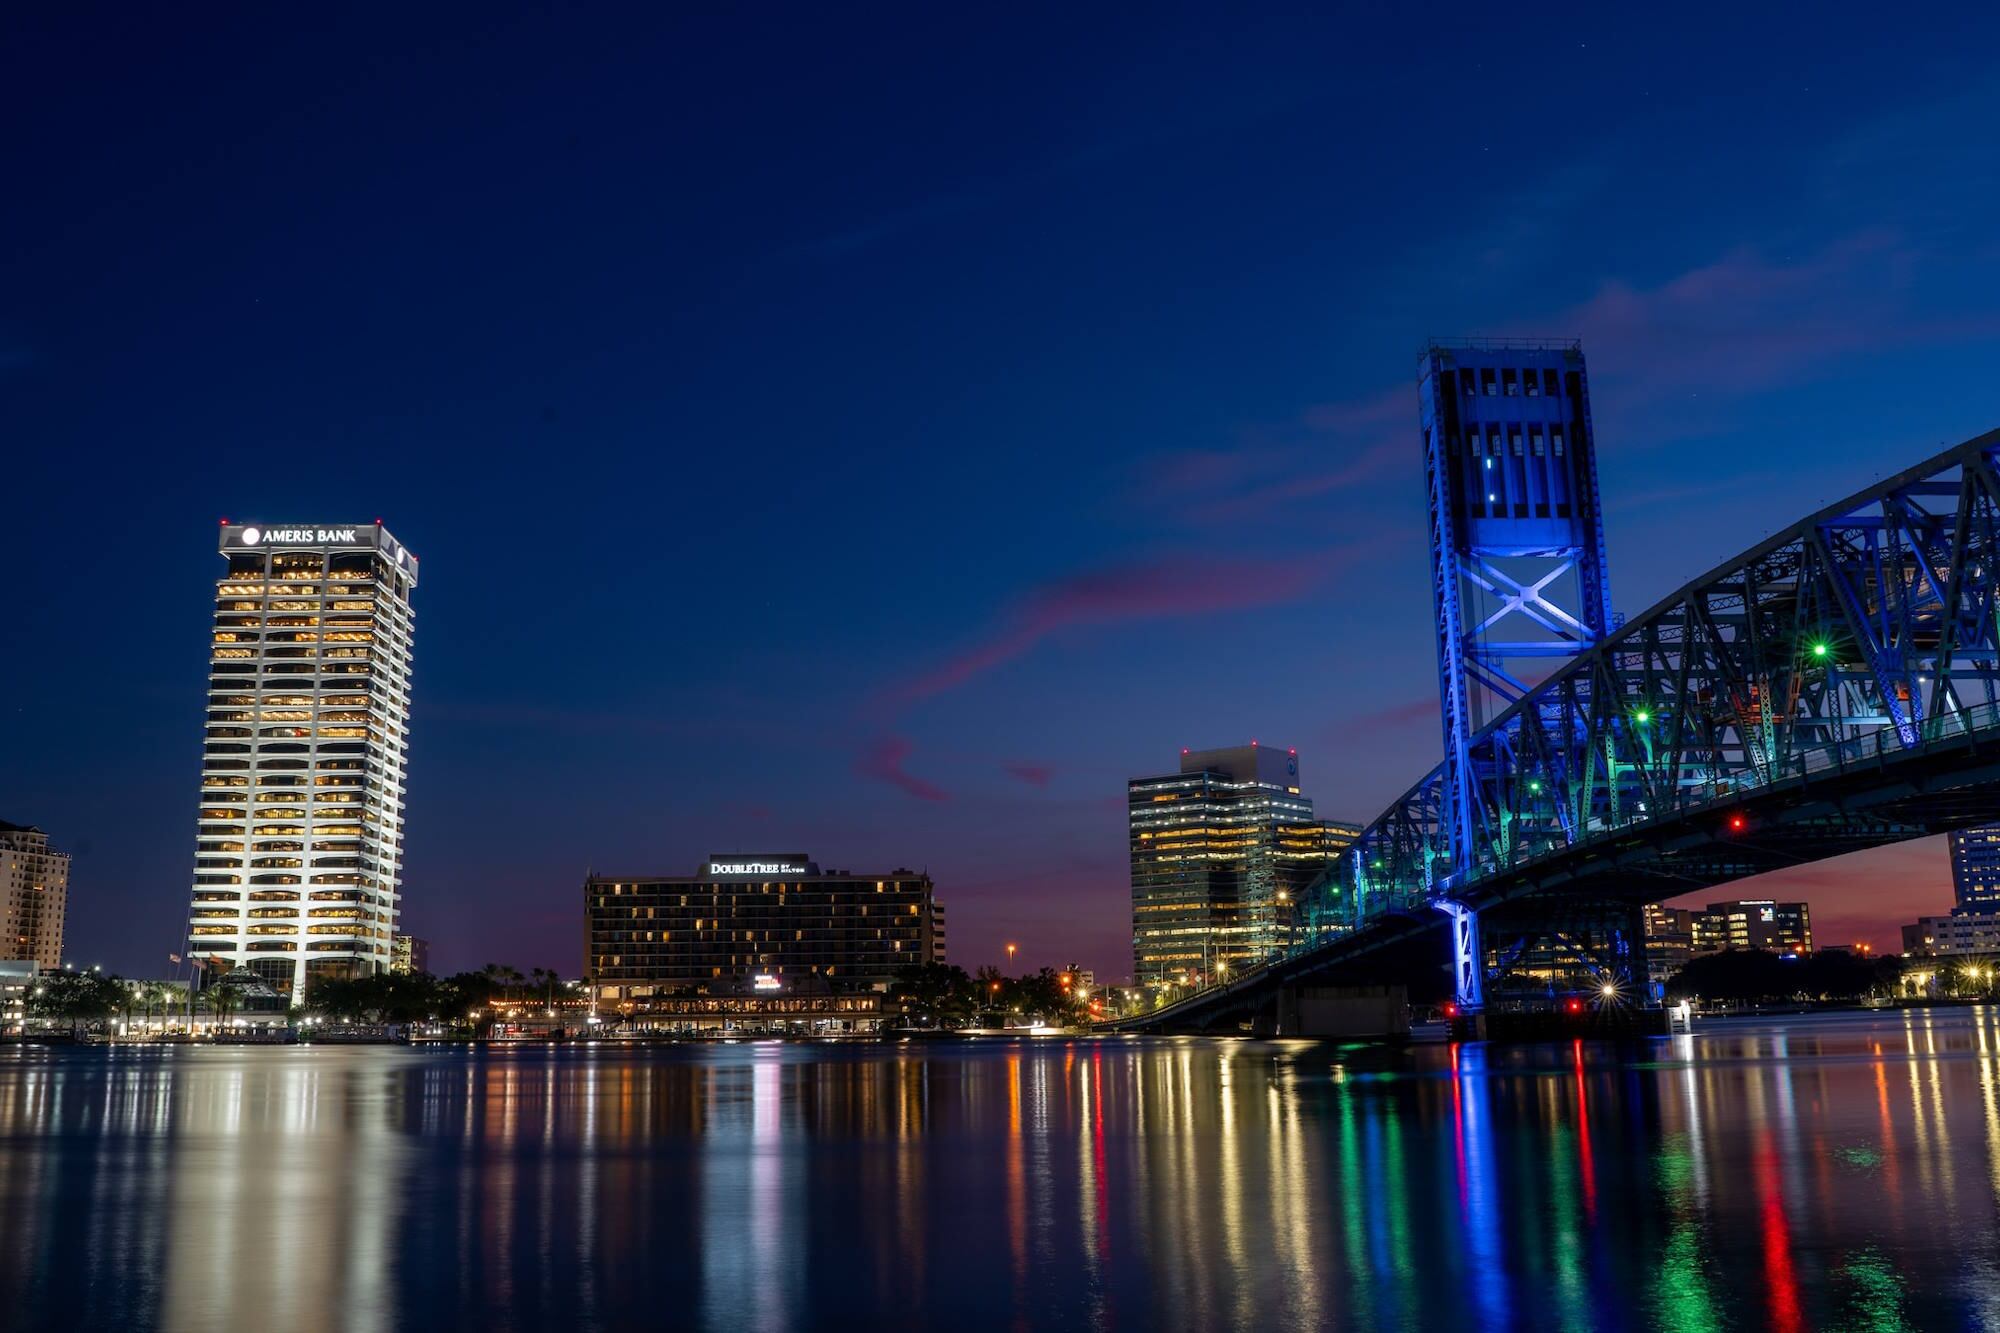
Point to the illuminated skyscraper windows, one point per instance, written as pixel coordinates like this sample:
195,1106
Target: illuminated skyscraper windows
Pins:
299,840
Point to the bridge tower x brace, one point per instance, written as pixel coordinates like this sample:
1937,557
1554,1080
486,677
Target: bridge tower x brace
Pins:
1518,569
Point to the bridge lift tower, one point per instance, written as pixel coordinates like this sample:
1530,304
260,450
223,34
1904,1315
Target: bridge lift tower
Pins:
1518,573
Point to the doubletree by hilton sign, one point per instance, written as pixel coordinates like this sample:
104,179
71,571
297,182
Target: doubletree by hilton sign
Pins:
719,867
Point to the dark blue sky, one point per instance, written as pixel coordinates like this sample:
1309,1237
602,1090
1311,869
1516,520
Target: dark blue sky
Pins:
881,434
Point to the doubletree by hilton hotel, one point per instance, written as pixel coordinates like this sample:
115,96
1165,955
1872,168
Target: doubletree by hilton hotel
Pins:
771,926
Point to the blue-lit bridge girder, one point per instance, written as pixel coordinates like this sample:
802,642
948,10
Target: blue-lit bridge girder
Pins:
1468,958
1518,567
1863,630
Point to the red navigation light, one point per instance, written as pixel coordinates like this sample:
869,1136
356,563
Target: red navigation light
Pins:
1737,823
378,522
1574,1006
1451,1011
1253,742
225,522
1292,751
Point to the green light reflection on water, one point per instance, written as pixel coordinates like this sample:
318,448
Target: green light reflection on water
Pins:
1683,1294
1873,1294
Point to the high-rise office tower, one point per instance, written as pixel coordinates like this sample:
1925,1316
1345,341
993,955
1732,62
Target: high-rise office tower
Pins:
300,845
1222,853
1975,870
34,895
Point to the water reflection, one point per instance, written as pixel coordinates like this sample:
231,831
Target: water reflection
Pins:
1842,1171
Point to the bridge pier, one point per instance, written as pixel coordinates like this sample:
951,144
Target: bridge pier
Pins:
1468,958
1344,1011
1590,949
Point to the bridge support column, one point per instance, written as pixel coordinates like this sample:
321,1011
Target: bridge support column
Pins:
1468,958
1628,957
1344,1011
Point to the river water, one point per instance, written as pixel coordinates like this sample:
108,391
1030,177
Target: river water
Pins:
1838,1171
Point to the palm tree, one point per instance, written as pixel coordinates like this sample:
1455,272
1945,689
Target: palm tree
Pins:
220,999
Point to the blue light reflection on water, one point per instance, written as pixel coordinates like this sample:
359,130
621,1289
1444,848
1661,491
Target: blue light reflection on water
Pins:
1833,1171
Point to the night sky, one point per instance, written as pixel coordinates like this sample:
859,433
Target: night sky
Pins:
880,434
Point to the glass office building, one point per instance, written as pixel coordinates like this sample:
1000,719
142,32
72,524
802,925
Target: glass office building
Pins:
1222,854
299,844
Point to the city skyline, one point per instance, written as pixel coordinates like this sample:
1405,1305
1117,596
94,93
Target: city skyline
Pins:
743,533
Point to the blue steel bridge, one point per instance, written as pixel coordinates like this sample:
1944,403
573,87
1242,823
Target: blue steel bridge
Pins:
1833,688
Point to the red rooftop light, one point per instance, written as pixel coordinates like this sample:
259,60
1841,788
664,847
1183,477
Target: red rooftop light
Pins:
1737,823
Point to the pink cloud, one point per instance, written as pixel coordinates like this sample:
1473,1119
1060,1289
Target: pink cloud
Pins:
1328,448
883,761
1744,323
1740,324
1159,590
1035,775
1394,718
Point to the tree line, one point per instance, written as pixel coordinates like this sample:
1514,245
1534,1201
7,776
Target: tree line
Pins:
87,1000
419,997
1750,975
942,995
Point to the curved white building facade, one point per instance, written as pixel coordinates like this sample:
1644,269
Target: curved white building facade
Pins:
299,850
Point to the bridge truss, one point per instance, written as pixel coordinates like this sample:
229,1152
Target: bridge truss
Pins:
1862,635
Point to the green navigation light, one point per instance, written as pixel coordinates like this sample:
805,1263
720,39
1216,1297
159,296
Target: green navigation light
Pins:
1820,650
1642,716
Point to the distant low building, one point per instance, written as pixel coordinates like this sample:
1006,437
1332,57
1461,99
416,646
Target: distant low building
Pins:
407,954
34,896
1754,923
1669,939
1959,934
17,978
